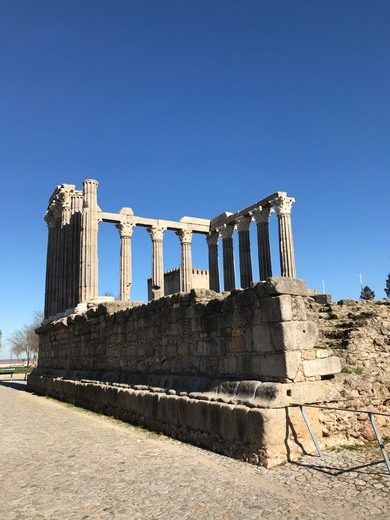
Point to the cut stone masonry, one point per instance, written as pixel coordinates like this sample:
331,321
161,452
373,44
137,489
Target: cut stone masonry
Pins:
225,371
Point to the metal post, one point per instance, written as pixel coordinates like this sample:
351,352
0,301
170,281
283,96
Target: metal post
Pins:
379,439
313,435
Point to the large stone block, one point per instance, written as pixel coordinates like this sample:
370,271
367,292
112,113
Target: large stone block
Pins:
282,285
227,422
280,395
261,337
322,367
278,365
294,335
277,308
240,424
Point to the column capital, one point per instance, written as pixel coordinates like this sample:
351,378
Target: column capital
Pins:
244,223
283,205
50,219
156,232
90,182
125,229
262,214
227,230
185,235
212,238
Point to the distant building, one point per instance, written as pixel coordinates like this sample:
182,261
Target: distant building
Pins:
200,280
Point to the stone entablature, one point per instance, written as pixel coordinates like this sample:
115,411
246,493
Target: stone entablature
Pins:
73,218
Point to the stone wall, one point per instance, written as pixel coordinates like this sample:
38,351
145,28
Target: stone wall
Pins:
258,333
358,332
218,370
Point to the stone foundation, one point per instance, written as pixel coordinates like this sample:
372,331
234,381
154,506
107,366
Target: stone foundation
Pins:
240,419
223,371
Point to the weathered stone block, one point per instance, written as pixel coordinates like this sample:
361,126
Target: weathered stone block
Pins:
281,285
227,422
261,337
255,426
214,418
294,335
151,405
277,308
228,365
236,343
246,390
322,367
240,423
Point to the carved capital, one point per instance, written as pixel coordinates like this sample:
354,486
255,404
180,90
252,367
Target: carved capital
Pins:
227,230
244,223
283,205
50,219
185,236
64,197
262,214
156,232
125,229
212,238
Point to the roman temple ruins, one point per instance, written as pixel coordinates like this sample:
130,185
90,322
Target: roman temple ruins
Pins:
226,368
73,218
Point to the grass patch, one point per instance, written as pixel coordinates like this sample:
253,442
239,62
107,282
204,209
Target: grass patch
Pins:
358,371
354,447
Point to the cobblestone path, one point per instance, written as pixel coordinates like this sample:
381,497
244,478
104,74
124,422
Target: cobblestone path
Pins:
61,462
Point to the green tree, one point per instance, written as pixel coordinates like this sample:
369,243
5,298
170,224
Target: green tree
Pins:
387,288
25,341
367,293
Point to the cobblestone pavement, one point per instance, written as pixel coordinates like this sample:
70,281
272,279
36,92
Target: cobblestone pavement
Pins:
61,462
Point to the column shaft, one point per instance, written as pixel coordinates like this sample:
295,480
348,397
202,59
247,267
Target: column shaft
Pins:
156,234
243,226
229,277
49,265
212,242
185,236
262,216
74,253
89,243
125,273
286,245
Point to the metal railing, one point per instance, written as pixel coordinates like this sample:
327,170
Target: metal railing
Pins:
370,417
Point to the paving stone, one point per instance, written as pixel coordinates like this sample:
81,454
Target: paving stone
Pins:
64,463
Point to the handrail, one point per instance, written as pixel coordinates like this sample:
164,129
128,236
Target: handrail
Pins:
370,417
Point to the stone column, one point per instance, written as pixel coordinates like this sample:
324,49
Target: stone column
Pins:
243,226
185,236
286,245
156,233
74,253
212,242
125,275
262,216
229,278
50,264
65,199
89,242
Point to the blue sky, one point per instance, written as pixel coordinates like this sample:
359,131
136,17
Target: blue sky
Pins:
195,107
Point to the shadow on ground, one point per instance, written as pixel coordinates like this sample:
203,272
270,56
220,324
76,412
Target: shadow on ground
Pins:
15,384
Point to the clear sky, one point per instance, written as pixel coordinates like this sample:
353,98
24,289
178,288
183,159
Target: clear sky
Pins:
195,107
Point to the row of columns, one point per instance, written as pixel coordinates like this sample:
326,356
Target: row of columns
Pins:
63,219
72,257
261,215
156,234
